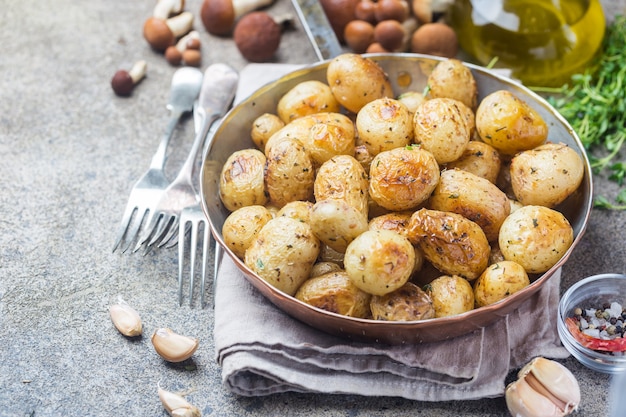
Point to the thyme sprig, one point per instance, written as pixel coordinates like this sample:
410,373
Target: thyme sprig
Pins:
594,103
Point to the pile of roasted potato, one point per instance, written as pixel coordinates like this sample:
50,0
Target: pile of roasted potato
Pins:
424,205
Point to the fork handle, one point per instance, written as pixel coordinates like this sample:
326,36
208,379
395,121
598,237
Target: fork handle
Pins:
160,156
187,170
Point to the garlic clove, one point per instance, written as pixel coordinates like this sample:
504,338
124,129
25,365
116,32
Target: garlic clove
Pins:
173,347
544,388
125,319
177,406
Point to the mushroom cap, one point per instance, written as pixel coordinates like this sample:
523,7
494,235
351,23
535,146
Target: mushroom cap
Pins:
339,14
257,36
192,57
366,10
435,39
389,34
122,83
173,56
359,34
392,10
158,34
218,16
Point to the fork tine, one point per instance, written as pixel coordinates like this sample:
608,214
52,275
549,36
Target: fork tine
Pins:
206,239
181,254
160,229
172,233
192,259
124,225
134,227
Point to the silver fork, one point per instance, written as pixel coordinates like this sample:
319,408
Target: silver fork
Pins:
146,192
216,95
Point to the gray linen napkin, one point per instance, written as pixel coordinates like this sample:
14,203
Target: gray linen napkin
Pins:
263,351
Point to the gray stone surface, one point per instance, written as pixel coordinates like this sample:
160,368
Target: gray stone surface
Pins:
70,152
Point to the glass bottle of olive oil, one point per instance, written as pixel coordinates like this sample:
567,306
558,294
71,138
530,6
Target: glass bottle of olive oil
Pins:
543,42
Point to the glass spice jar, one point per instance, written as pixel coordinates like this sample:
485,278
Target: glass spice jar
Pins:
543,42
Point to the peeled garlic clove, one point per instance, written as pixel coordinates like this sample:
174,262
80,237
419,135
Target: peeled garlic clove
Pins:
177,406
173,347
125,319
544,388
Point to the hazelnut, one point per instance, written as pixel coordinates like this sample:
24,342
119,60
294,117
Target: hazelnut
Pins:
435,39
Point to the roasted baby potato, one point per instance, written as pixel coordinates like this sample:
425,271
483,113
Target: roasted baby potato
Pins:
283,253
451,295
337,223
379,261
356,80
472,197
299,210
384,124
403,178
412,100
407,303
289,173
535,237
499,281
546,175
263,128
242,226
440,128
324,267
399,223
335,292
241,180
452,79
307,97
343,178
454,244
331,136
479,159
509,124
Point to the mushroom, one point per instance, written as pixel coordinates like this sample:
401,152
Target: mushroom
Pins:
435,39
426,11
393,35
162,33
257,35
192,57
219,16
358,35
366,10
124,81
339,14
392,10
174,53
165,8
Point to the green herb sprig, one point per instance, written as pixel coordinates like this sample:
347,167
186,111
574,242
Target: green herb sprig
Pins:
595,106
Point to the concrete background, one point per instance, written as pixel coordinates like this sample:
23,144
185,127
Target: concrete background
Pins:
70,152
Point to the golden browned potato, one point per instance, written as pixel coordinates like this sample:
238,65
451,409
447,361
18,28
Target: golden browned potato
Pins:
384,124
379,261
289,173
452,79
452,243
509,124
479,159
337,223
499,281
356,80
307,97
283,253
242,226
407,303
399,223
472,197
263,128
546,175
411,99
403,178
331,136
440,128
364,157
241,180
328,254
451,295
343,178
324,267
297,129
336,293
535,237
299,210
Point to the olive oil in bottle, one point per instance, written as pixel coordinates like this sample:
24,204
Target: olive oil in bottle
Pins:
543,42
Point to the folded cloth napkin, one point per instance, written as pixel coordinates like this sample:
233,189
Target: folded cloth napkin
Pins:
263,351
